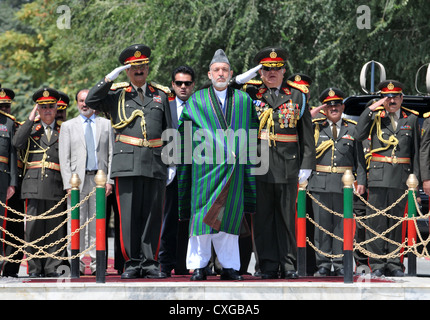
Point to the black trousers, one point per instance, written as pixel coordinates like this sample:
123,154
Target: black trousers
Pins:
382,198
35,229
174,233
274,226
140,203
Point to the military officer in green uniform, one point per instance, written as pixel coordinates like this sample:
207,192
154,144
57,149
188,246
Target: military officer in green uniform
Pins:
425,154
336,152
394,155
42,185
139,111
285,131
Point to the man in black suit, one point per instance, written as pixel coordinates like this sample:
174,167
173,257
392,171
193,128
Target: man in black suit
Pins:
174,234
140,113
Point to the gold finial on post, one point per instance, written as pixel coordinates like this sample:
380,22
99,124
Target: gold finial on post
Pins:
75,182
412,182
348,179
100,179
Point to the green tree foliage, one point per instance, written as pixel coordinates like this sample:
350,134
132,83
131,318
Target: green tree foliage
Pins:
321,36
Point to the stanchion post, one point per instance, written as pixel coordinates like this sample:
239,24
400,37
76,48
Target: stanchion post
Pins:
301,229
100,180
412,184
75,224
348,221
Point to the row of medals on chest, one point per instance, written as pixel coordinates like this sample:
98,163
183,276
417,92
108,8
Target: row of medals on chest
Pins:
288,113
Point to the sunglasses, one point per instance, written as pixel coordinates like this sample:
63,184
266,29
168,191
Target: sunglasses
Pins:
271,68
180,83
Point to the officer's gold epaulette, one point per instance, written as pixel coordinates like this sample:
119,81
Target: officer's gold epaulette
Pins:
426,115
255,82
8,115
119,85
380,108
411,111
300,87
350,120
165,89
319,119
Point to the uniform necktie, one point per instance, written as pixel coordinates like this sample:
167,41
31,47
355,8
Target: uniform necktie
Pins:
48,133
140,93
334,130
393,120
89,141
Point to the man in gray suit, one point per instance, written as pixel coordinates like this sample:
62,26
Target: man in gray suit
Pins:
86,143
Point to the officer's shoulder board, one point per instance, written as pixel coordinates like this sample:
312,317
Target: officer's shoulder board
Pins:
426,115
350,121
300,87
319,119
158,86
411,111
119,85
255,83
8,115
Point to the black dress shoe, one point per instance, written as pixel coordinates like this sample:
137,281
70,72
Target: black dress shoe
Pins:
12,275
291,274
339,272
155,274
130,274
230,274
52,275
322,272
397,273
198,274
377,273
35,275
269,275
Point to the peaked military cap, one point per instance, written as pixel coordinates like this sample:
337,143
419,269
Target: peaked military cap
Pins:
390,88
332,96
271,57
63,102
300,78
6,95
136,54
46,95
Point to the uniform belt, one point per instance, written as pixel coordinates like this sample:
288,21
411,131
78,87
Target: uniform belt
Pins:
4,159
330,169
278,137
378,158
90,171
43,164
154,143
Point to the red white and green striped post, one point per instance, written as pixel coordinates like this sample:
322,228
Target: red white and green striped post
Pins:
412,184
301,229
75,224
348,224
100,180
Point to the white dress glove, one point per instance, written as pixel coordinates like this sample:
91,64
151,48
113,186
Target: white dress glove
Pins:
115,72
248,75
171,172
304,175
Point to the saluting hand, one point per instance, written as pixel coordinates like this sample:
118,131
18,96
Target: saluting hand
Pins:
378,103
248,75
33,113
115,73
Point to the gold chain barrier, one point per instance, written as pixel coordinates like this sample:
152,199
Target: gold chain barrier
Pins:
41,252
414,245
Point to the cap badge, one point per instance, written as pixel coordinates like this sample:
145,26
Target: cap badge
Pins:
297,78
390,86
2,94
331,93
137,54
46,93
273,55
